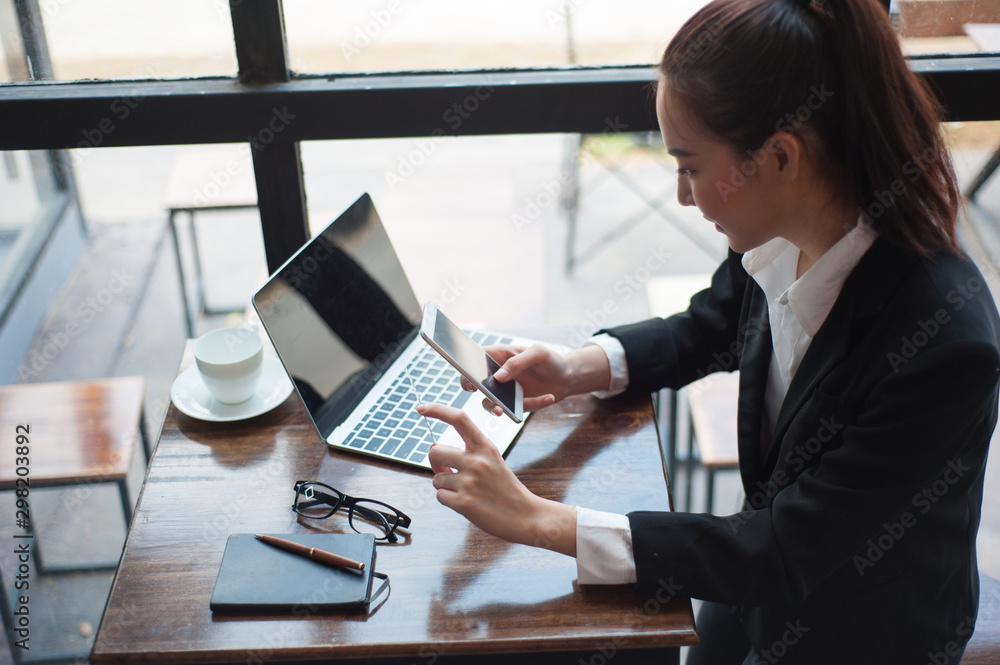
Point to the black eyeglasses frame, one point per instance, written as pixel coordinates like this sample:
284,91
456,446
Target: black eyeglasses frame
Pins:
389,521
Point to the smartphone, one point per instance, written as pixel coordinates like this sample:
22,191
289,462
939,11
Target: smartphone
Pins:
472,361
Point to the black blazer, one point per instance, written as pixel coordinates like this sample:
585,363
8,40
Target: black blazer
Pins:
857,542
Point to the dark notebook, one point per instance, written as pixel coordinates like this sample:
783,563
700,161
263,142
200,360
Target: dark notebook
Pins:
258,576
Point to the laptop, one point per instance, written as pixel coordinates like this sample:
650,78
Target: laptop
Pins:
345,322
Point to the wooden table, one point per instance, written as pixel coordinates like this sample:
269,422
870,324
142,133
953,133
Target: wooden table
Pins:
456,591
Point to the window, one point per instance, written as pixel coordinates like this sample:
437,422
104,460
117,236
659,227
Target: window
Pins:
411,103
947,26
27,188
118,39
393,35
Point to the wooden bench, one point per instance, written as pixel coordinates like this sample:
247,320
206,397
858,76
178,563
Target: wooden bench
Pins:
667,296
63,435
74,433
712,400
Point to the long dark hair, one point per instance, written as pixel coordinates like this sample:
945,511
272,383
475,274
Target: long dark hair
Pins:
831,71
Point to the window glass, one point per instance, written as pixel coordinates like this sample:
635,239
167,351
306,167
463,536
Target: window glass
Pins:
138,186
27,186
123,39
975,147
486,226
482,225
947,26
5,76
394,35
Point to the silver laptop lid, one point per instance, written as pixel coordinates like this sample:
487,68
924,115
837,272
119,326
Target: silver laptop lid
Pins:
339,312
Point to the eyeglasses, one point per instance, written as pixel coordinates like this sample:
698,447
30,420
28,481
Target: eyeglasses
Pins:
318,501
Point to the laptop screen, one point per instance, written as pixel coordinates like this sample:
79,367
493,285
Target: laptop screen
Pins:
339,312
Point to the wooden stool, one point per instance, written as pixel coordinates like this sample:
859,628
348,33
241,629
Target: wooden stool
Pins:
667,296
713,402
74,433
217,178
984,647
62,435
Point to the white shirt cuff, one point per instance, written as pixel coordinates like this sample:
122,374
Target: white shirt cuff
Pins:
615,352
603,548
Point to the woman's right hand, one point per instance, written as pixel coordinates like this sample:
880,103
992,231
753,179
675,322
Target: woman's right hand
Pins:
546,376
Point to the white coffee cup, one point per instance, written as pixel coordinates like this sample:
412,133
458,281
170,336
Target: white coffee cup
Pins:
229,361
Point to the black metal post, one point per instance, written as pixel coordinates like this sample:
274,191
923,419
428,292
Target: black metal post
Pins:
36,50
259,31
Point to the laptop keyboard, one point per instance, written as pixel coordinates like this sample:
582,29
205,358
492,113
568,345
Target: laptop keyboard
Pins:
393,428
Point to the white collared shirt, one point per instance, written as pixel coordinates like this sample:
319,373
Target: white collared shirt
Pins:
796,310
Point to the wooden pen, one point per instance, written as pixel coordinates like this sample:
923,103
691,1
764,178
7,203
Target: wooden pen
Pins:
322,556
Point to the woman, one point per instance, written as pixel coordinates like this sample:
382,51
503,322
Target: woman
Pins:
867,346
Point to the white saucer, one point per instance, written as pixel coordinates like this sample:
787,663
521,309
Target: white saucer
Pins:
191,397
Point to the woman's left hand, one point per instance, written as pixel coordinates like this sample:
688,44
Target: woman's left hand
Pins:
478,484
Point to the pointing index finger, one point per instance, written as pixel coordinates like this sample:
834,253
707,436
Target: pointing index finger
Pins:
460,420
